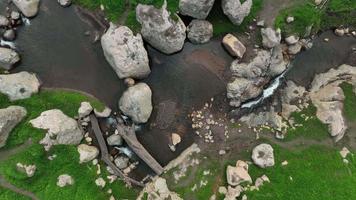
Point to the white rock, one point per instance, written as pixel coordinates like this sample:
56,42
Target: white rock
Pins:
318,2
4,21
28,7
344,152
121,162
100,182
339,32
176,139
290,19
292,39
19,85
8,58
65,3
105,113
28,169
262,155
87,153
64,180
85,109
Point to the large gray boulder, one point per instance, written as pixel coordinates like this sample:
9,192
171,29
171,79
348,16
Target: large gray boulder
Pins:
125,52
136,102
61,129
9,118
19,85
159,29
262,156
28,7
4,21
196,8
199,31
235,10
270,37
8,58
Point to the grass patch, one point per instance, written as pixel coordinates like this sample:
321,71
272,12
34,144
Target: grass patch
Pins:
349,102
6,194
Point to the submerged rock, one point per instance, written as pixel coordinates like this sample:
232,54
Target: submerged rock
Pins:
200,31
196,8
235,10
262,155
125,52
136,102
234,46
8,58
9,118
19,86
159,29
61,128
270,37
28,7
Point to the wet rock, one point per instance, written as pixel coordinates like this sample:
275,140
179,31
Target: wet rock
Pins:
159,29
125,52
15,15
270,37
19,86
61,128
85,109
238,174
196,8
4,21
87,153
294,48
114,140
8,58
158,189
65,3
262,156
234,46
292,39
121,162
136,102
200,31
235,10
64,180
339,32
28,7
9,35
29,170
9,118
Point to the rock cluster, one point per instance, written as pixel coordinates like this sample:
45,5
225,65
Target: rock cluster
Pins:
159,29
196,8
65,3
125,52
158,189
9,118
235,10
199,31
19,85
61,128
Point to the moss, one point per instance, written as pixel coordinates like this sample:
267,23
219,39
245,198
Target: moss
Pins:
349,102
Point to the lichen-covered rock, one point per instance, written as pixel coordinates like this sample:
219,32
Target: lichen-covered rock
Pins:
19,85
235,10
136,102
159,29
9,118
8,58
234,46
87,153
125,52
262,156
270,37
61,128
199,31
196,8
28,7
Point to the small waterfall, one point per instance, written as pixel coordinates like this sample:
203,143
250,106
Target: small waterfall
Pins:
269,91
126,151
12,45
25,20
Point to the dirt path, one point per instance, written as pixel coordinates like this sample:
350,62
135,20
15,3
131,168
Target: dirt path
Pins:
271,8
7,185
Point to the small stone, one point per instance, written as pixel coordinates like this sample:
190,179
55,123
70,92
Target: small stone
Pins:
65,3
222,152
9,35
284,163
344,152
64,180
15,15
326,39
290,19
261,23
87,153
339,32
114,140
85,109
28,169
129,82
176,139
100,182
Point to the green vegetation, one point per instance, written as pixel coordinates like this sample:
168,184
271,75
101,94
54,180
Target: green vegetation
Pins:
333,14
43,184
349,102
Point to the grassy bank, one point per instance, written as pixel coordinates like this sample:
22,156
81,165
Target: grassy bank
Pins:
333,14
349,102
43,184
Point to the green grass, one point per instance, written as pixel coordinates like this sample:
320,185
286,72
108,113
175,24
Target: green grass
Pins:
349,102
6,194
43,184
334,14
222,24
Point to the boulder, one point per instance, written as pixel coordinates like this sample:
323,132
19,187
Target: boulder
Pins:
114,140
9,118
8,58
270,37
19,85
159,29
339,32
121,162
235,10
136,102
65,3
9,35
294,48
125,52
234,46
238,174
87,153
4,21
28,7
61,128
29,170
199,31
262,156
85,109
291,39
64,180
15,15
196,8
